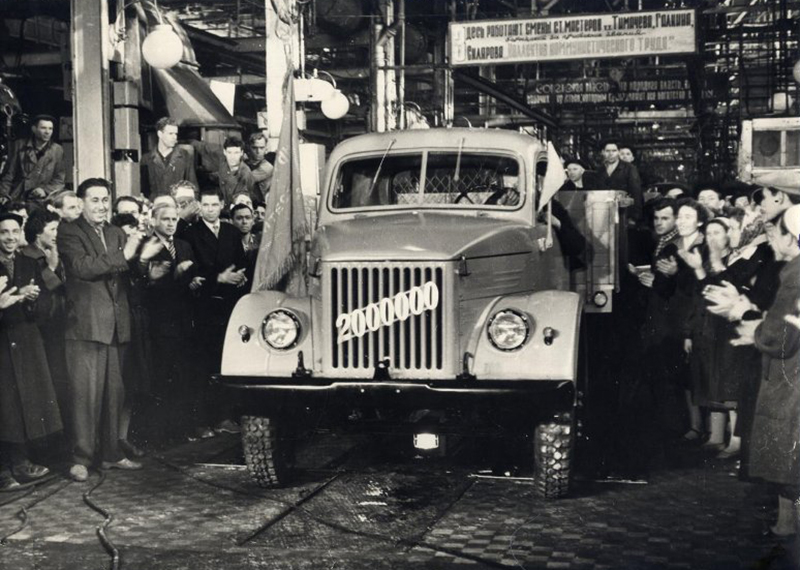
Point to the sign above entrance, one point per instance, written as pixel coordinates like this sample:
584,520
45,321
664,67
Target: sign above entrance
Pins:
598,36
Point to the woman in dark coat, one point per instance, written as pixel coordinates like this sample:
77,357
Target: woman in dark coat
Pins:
706,330
28,408
752,275
774,450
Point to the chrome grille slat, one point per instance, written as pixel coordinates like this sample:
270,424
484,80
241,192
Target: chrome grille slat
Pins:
414,345
423,325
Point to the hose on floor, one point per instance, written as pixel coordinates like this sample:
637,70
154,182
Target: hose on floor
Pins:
22,513
101,529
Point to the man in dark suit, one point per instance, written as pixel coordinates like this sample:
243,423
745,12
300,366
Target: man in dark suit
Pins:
167,264
96,259
619,175
220,268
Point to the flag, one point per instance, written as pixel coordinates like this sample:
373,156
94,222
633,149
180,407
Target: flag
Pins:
281,261
554,177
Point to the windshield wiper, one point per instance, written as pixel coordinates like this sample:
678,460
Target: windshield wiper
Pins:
380,164
457,174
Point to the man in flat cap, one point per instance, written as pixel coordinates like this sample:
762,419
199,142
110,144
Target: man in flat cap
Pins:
579,177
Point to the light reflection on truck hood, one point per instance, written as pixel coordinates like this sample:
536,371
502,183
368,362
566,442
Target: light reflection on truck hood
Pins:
421,236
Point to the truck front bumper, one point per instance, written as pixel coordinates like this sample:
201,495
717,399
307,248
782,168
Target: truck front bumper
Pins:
310,384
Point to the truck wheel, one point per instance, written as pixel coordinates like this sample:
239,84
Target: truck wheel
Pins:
553,449
265,454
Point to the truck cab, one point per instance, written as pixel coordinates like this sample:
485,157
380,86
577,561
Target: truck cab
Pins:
432,286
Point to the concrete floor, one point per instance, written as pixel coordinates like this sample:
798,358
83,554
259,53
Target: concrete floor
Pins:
355,506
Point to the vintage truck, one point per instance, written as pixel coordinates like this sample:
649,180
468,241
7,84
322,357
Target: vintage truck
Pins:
432,286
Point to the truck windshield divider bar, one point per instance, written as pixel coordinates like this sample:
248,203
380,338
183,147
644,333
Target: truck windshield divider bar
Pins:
380,164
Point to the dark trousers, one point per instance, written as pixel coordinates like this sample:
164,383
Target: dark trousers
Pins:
175,379
96,398
212,403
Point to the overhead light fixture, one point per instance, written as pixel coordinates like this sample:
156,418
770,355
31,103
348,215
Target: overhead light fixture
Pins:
333,102
336,106
162,48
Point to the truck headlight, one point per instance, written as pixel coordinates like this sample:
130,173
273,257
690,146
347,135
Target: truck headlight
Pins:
281,329
508,329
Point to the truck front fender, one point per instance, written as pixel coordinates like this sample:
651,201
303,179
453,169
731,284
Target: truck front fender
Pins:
245,351
536,359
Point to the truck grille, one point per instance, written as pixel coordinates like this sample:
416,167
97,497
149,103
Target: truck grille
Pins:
412,344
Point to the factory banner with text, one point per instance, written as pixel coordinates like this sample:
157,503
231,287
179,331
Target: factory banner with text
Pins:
631,34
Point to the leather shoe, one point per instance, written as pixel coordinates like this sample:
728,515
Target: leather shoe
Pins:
129,449
725,454
79,473
124,464
7,481
26,471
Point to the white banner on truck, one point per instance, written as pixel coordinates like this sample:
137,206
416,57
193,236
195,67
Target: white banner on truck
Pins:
598,36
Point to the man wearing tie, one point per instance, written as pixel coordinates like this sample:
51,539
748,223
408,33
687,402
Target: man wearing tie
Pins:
168,267
220,266
96,258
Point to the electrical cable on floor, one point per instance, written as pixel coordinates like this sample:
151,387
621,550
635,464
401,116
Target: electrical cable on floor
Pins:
300,509
22,513
101,529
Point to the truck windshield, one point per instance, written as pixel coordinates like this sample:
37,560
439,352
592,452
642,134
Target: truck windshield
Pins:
451,180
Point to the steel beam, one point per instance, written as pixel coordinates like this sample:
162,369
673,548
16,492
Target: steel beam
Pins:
91,89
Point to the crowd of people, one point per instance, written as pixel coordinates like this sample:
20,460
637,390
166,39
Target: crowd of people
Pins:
703,323
95,314
105,305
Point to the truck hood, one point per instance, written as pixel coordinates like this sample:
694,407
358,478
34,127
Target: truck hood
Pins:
421,236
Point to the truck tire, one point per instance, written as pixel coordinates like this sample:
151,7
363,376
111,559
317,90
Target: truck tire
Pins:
554,444
264,453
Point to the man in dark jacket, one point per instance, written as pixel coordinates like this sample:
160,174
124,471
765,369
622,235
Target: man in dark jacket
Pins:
36,166
168,163
220,270
96,259
618,175
578,176
661,331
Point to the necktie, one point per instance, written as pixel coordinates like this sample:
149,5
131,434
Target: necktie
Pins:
216,229
99,230
171,248
9,264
